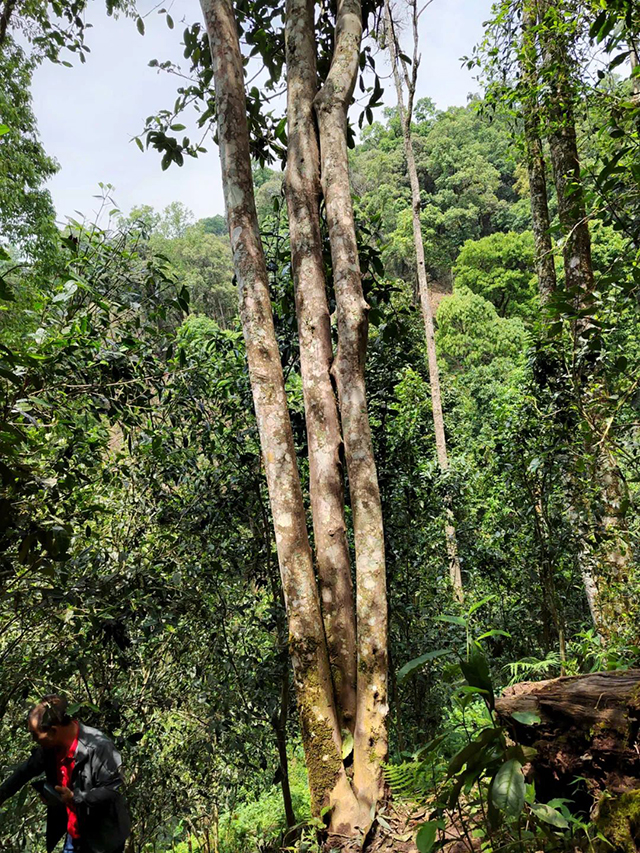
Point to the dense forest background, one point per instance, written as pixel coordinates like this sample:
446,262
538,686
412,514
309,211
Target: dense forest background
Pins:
138,568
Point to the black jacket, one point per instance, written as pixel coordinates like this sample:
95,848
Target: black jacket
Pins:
103,818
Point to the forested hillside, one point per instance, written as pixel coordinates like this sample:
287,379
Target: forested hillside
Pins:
289,578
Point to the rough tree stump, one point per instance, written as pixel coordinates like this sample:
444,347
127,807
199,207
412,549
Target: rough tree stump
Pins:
589,728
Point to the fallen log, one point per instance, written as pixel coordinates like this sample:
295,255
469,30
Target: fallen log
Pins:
588,745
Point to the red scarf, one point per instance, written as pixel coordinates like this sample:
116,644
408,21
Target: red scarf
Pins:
66,762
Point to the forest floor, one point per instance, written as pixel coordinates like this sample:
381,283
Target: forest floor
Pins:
397,834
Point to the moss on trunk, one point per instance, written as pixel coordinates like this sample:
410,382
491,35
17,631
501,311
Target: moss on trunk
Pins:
619,821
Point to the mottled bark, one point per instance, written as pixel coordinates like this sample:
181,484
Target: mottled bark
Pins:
326,482
320,730
332,102
545,266
455,574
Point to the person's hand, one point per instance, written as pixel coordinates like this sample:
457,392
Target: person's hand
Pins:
66,794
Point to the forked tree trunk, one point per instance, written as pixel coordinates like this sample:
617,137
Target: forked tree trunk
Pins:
320,729
324,437
614,554
331,104
405,115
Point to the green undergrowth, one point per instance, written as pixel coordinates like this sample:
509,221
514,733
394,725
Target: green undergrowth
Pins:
257,823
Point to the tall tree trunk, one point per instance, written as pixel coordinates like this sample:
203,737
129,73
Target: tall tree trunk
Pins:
320,729
7,11
545,266
634,60
615,552
563,148
280,716
280,728
326,481
405,116
331,104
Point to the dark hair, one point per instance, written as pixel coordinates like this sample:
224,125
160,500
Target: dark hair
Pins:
50,711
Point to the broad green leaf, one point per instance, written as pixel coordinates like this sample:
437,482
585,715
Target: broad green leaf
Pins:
545,813
347,744
476,672
140,25
494,632
417,663
462,757
454,620
4,128
480,604
527,718
508,789
426,837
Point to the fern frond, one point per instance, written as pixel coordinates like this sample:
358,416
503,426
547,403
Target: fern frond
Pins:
411,779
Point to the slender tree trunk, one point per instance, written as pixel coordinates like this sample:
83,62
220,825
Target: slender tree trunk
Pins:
331,104
320,730
405,115
280,727
634,60
563,148
280,717
5,17
545,266
316,356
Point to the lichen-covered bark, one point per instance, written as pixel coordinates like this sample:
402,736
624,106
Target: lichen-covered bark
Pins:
320,731
455,574
331,104
326,482
545,266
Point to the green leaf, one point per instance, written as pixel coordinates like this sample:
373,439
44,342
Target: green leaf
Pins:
4,128
476,672
494,632
508,788
453,620
527,718
480,604
545,813
347,744
170,22
426,837
417,663
463,757
140,25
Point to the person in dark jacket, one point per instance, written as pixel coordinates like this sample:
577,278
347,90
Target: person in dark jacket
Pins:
83,765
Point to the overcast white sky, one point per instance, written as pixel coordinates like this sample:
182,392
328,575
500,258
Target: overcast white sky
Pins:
87,114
